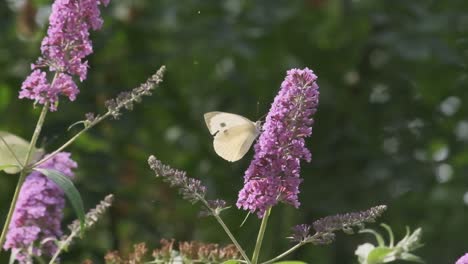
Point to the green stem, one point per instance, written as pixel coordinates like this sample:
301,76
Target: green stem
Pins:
261,234
71,140
284,254
233,239
62,246
23,173
226,229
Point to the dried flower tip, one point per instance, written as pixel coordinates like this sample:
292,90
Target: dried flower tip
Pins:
165,252
300,233
342,221
139,251
189,250
113,258
93,215
190,189
127,99
207,252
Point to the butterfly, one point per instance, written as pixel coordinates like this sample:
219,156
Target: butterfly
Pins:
233,134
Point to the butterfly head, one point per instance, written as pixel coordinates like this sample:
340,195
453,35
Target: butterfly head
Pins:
258,126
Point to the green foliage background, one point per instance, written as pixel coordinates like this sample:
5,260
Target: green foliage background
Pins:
391,128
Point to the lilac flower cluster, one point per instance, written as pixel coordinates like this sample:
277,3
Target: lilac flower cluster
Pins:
191,189
325,227
38,212
273,175
63,49
463,259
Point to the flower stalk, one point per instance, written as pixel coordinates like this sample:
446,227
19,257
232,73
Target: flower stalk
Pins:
226,229
261,234
23,173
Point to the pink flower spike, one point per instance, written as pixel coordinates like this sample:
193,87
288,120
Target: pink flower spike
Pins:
274,174
64,50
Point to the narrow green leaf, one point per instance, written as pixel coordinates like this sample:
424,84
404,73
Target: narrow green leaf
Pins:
245,219
390,233
70,191
15,152
378,255
378,237
410,257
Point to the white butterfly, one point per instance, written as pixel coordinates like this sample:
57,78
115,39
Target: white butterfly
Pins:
233,134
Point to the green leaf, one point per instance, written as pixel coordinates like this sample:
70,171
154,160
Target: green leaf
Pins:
378,237
291,262
390,233
378,255
15,151
410,257
70,191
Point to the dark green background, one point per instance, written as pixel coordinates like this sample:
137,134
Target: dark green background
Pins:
392,113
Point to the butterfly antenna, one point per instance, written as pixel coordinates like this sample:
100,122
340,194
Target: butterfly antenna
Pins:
258,111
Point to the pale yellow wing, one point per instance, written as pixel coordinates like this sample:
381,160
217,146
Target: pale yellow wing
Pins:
220,121
233,143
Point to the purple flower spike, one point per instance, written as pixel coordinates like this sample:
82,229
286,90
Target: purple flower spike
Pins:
63,51
274,174
38,212
463,259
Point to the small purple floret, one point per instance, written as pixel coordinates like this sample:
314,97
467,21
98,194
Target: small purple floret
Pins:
38,212
274,174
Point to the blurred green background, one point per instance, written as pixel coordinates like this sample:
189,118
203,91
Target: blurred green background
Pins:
391,127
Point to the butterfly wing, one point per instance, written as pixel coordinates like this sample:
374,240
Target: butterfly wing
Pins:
233,143
219,121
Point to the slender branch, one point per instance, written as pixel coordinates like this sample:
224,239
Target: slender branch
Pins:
23,173
261,234
63,245
71,140
284,254
124,100
12,152
226,229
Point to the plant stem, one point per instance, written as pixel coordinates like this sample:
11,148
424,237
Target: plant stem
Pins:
62,246
261,233
233,239
226,229
23,173
284,254
71,140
